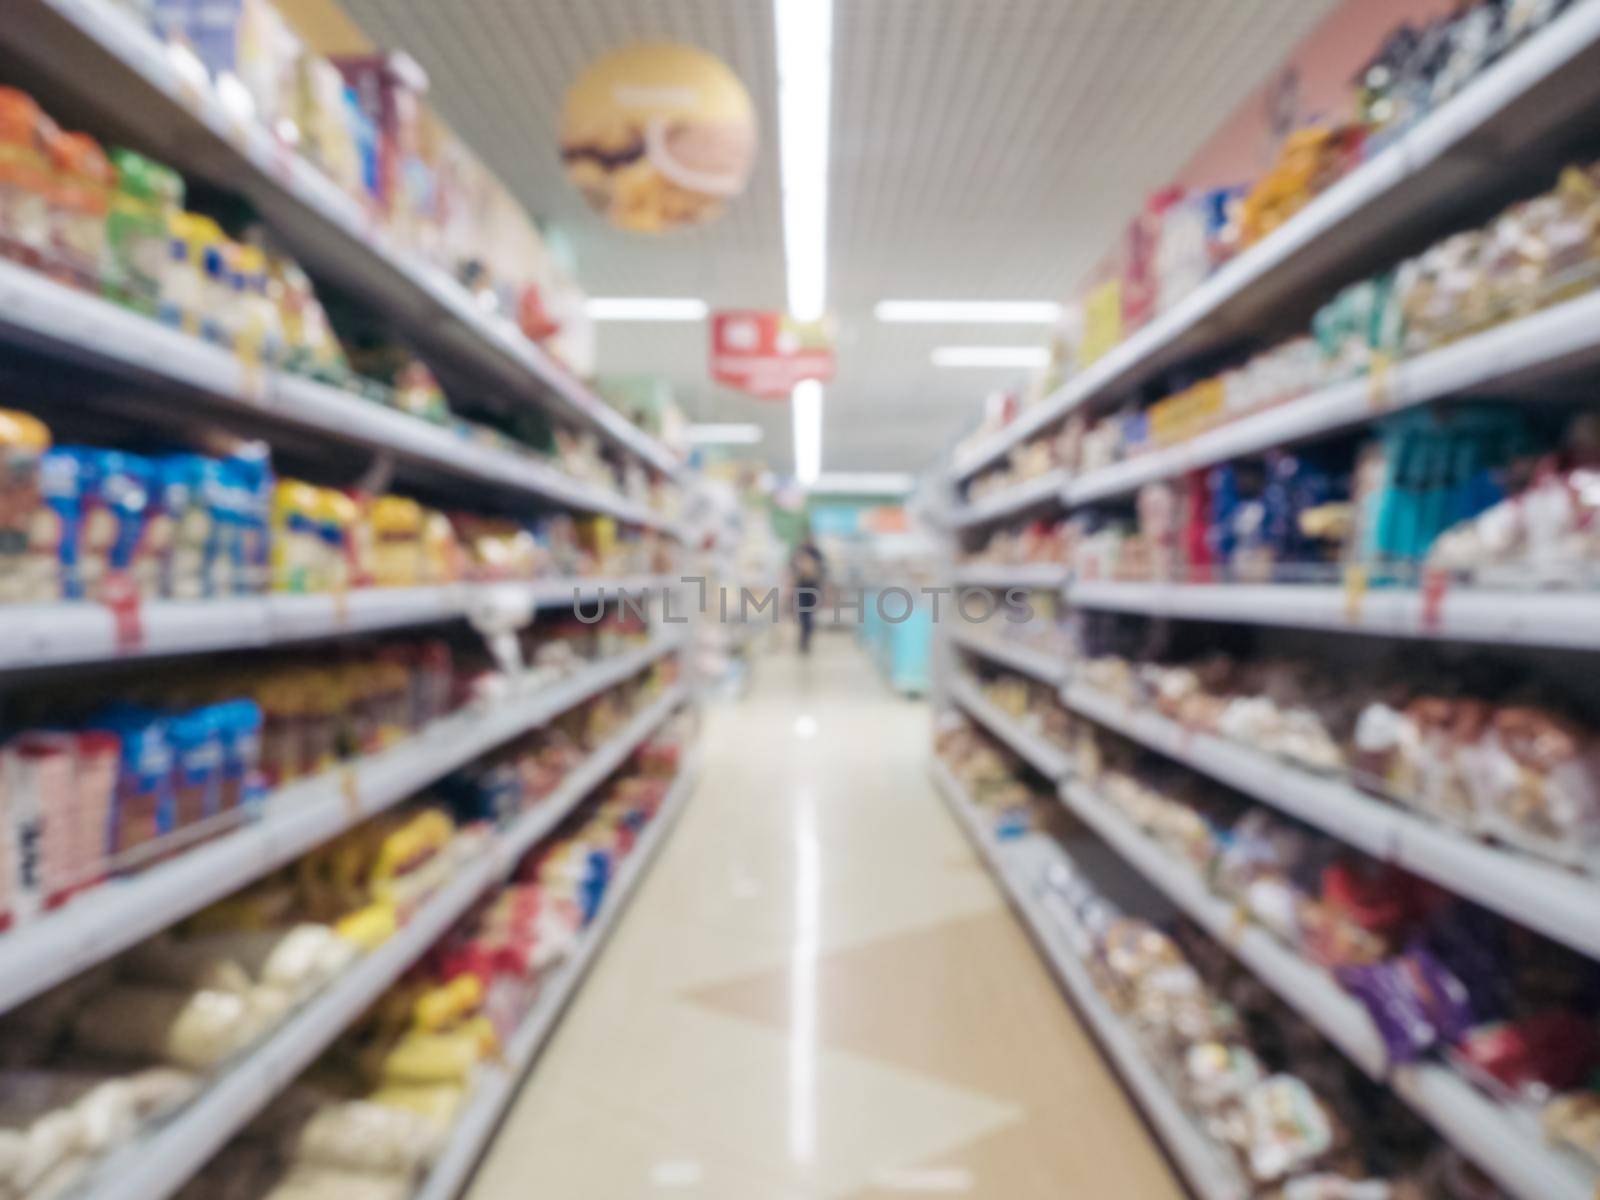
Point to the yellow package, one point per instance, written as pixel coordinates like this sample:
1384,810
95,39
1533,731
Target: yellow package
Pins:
426,1058
295,548
337,517
441,552
397,542
1102,322
440,1007
369,927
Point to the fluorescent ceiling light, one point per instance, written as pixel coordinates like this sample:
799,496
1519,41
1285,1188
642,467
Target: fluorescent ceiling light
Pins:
991,356
724,435
865,483
805,90
969,312
646,308
806,403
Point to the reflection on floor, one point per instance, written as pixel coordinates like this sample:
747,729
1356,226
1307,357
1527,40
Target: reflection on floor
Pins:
818,992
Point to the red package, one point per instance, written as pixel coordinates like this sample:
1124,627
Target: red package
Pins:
389,89
1197,527
533,317
1378,897
1140,284
1557,1049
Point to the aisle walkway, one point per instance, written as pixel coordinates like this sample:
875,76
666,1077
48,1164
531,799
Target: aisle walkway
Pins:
819,993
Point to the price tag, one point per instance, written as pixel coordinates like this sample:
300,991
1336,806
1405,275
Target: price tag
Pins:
1379,374
1239,922
1355,591
252,380
282,166
504,860
237,129
372,225
191,94
350,789
122,598
1435,585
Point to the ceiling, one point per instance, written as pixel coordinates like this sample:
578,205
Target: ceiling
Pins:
981,149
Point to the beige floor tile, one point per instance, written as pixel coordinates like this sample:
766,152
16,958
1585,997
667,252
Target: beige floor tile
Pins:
819,993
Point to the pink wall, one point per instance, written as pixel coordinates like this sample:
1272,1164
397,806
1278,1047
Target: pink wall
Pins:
1314,82
1317,76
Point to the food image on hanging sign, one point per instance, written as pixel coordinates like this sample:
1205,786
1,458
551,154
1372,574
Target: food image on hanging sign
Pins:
766,353
658,137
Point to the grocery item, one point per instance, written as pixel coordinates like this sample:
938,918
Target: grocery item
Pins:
27,138
146,200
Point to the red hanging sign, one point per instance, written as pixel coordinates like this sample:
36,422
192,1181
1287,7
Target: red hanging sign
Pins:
765,353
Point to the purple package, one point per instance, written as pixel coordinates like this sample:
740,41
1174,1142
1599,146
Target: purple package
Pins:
1415,1000
1445,998
1396,1008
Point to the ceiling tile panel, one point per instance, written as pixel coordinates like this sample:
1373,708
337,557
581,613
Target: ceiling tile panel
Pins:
986,149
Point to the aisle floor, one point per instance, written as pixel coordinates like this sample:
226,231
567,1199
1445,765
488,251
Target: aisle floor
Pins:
819,992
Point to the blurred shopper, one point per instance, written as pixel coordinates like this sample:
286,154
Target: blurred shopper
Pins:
809,571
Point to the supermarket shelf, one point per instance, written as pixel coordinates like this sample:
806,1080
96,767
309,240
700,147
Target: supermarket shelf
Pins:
1048,488
1557,339
1036,664
48,635
38,311
295,819
1502,1141
535,825
497,1087
156,1167
1339,1016
1048,760
1567,619
1042,576
1209,1173
1457,153
1547,898
111,65
1508,1145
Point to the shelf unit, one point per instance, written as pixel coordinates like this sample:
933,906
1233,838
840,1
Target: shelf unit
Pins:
156,1167
76,327
1211,1174
1533,96
497,1087
293,820
1511,122
1559,903
110,63
49,635
1504,1142
1049,760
